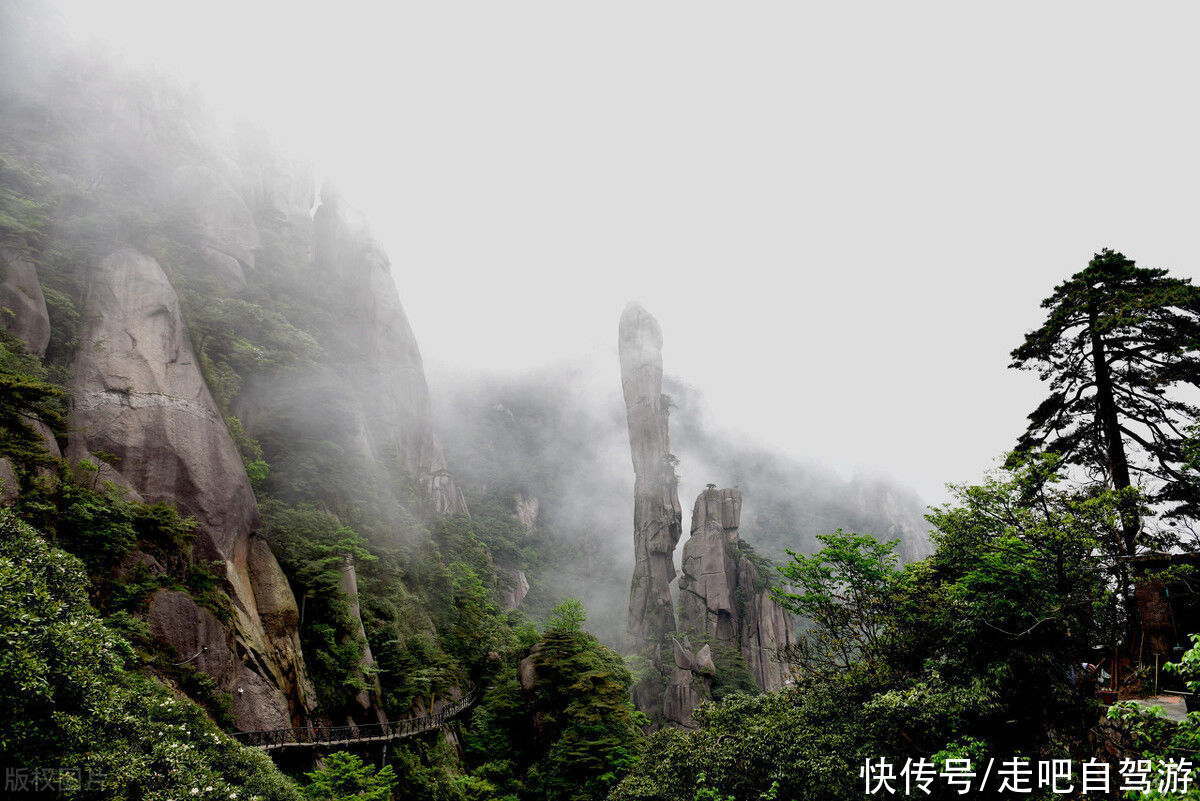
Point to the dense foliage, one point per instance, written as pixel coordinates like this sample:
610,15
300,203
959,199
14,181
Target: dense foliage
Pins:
559,724
70,699
973,652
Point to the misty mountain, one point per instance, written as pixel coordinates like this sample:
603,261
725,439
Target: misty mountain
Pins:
233,442
559,435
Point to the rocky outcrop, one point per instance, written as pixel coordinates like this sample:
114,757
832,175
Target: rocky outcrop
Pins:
657,516
140,160
367,701
722,594
379,354
139,395
22,304
203,642
526,509
140,399
518,588
689,682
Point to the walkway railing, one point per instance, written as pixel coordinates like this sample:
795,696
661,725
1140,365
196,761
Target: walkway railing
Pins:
349,735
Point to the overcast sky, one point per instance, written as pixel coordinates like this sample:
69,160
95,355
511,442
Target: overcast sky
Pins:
843,214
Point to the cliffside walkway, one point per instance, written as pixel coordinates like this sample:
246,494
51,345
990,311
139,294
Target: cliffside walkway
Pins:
314,736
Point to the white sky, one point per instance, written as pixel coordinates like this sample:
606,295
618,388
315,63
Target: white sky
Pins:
843,214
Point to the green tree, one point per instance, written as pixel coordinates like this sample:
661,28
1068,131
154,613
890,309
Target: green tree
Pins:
344,777
26,396
564,729
844,591
568,616
69,698
1117,343
1013,597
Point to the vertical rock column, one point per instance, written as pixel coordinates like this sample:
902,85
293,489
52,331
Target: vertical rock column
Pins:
689,682
708,588
657,516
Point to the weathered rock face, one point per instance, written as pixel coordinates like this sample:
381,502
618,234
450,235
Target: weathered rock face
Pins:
707,590
766,628
276,188
512,596
139,396
9,488
526,510
381,357
526,507
722,594
689,682
875,499
219,222
22,304
367,701
657,516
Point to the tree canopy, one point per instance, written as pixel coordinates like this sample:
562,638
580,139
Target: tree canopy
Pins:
1118,342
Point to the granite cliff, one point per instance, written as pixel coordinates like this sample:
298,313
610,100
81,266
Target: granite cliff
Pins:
209,324
140,400
723,593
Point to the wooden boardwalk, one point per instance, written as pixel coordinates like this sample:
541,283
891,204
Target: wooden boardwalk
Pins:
322,736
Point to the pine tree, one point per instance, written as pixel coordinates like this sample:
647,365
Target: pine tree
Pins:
1119,343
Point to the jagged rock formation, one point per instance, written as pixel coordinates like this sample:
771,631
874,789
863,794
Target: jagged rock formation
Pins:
141,402
146,202
723,595
657,516
560,432
689,682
